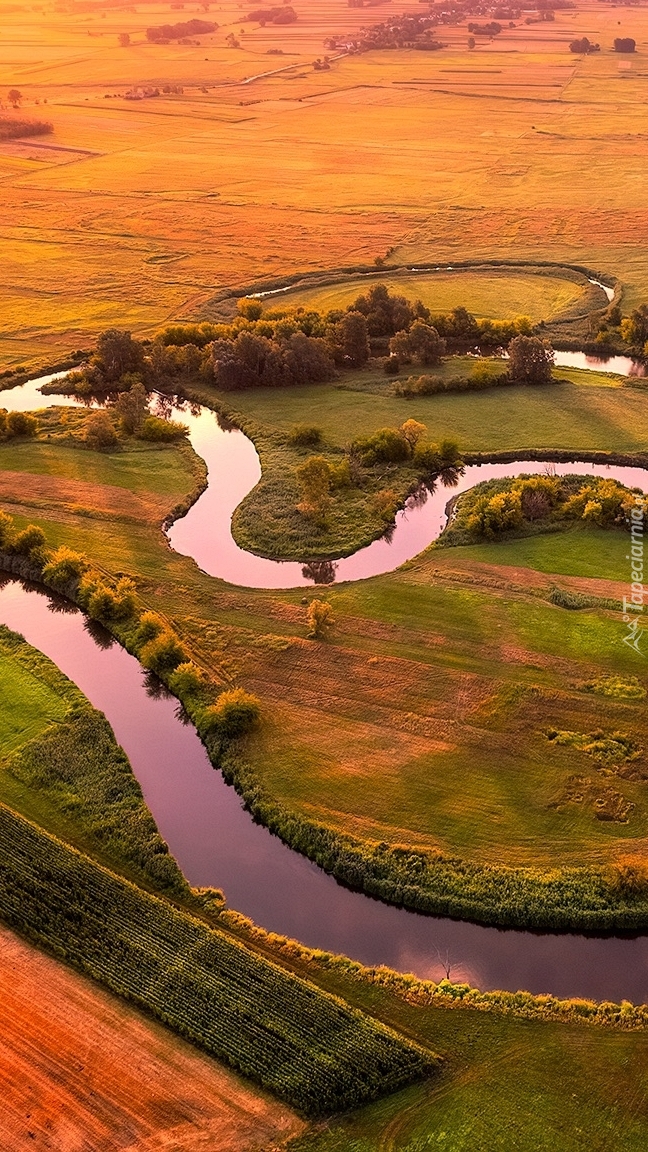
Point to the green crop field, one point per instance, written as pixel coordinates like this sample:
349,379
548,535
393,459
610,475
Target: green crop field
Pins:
309,1048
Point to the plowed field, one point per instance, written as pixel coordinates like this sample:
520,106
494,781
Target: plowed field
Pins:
81,1072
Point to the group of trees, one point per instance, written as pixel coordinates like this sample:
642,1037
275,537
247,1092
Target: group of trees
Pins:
584,46
284,14
163,33
406,31
317,476
252,361
506,505
632,329
281,348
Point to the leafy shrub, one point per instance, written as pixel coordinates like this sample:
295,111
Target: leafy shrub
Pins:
16,424
161,431
341,474
573,601
63,566
481,379
103,602
234,713
305,435
629,876
314,478
497,514
149,627
6,529
100,433
602,502
618,687
386,446
30,542
163,653
320,619
187,679
385,503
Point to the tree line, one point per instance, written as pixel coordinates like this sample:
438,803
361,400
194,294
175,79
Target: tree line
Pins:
287,347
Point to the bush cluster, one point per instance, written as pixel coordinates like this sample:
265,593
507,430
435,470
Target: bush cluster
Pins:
500,506
14,424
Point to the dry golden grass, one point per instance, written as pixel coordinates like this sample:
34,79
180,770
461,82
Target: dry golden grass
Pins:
80,1069
132,212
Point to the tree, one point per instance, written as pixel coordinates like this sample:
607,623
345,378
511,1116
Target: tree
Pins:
349,339
385,314
100,432
314,478
422,344
320,618
307,359
413,431
530,360
471,42
624,44
117,353
124,39
132,408
15,97
249,308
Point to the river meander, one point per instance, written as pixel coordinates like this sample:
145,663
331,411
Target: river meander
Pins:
211,835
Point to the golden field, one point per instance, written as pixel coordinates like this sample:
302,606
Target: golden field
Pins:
132,212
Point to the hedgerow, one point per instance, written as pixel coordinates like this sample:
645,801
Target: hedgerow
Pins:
445,993
308,1047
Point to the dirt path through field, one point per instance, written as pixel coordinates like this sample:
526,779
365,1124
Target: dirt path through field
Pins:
81,1071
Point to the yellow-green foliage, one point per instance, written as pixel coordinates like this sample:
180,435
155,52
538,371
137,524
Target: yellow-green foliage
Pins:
187,679
320,619
107,601
63,566
14,424
606,748
602,502
163,653
234,713
150,625
499,506
161,431
618,687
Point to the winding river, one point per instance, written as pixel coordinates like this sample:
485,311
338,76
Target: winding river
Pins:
214,840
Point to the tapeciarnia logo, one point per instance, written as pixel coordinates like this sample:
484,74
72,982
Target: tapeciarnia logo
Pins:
633,605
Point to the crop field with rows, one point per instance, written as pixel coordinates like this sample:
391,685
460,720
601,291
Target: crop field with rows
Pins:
309,1048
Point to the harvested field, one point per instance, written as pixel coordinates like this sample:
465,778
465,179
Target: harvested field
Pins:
82,1070
146,209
